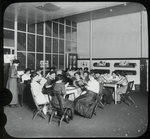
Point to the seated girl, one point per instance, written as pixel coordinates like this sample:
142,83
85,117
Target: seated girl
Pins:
36,89
59,87
26,76
85,103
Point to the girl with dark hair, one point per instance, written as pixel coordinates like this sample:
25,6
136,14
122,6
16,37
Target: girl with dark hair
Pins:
122,85
12,83
59,86
37,90
26,76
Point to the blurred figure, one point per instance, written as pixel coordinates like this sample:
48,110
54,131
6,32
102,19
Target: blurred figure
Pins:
39,72
26,76
12,82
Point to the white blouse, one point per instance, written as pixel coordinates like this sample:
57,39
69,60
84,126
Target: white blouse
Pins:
25,77
93,86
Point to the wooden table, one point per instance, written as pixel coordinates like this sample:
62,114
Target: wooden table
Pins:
112,84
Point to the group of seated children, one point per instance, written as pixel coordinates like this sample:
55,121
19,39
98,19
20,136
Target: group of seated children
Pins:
88,85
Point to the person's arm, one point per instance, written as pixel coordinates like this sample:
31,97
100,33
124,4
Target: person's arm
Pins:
14,73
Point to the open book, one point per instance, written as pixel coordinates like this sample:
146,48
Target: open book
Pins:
43,81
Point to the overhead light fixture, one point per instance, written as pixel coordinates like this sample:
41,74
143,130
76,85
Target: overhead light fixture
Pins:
110,10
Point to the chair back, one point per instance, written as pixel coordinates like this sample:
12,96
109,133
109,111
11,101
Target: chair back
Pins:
130,86
60,101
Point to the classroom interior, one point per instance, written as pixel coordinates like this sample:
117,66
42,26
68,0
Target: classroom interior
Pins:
103,36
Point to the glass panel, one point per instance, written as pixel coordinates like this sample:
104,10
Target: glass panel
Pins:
48,45
21,56
31,60
31,43
68,46
48,28
31,28
6,51
74,34
48,57
61,62
55,29
68,22
39,44
21,41
39,57
74,24
74,47
55,45
68,33
40,28
8,24
21,27
61,20
61,46
55,61
56,20
61,31
8,34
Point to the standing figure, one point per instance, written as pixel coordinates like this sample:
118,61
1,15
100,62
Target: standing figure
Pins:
12,83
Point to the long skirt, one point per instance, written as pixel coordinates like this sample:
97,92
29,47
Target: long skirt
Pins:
85,104
12,86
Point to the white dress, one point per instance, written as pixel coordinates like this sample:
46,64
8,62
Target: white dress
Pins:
37,92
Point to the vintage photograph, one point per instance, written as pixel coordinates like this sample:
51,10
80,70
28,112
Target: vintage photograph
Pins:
75,69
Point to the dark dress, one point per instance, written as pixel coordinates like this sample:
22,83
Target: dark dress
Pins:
85,104
60,87
12,84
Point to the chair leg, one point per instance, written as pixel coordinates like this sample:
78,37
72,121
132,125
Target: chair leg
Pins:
51,117
130,99
63,116
35,114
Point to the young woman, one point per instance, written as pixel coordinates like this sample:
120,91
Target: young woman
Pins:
123,84
59,87
85,103
26,76
12,83
36,89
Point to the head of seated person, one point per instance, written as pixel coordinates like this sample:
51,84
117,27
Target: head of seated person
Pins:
34,77
26,76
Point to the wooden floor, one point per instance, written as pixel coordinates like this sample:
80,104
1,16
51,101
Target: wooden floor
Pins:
118,120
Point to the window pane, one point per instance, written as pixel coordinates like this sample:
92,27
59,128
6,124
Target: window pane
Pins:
48,45
21,41
61,46
55,29
40,28
39,57
68,46
21,27
61,62
61,20
74,47
31,28
31,43
68,33
31,60
55,61
48,57
8,34
39,44
48,28
61,31
56,20
74,34
8,24
74,24
68,22
55,45
21,56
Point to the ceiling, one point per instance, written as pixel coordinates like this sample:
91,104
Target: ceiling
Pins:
30,12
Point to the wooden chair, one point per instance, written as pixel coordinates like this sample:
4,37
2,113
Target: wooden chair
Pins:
59,109
39,108
126,97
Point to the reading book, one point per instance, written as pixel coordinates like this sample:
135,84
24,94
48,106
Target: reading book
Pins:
43,81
